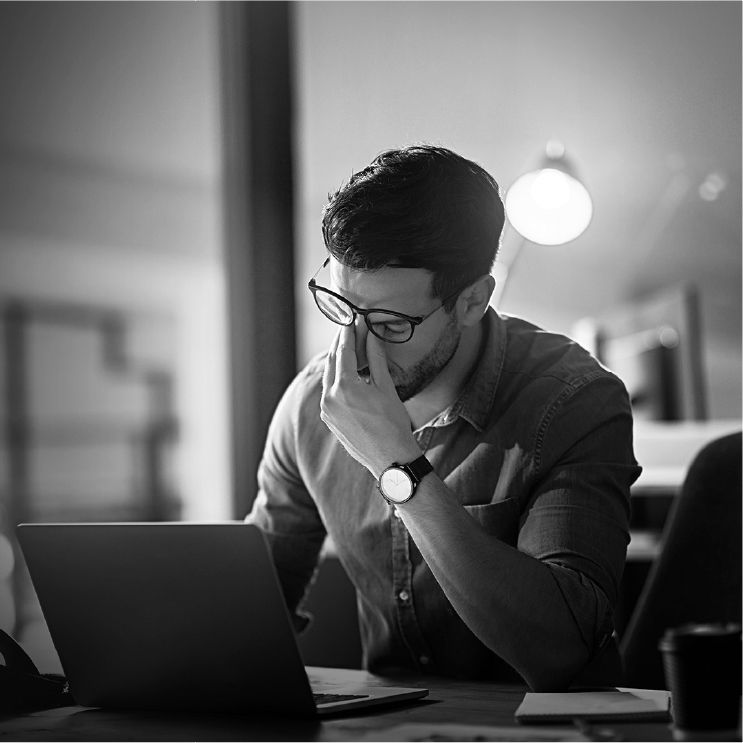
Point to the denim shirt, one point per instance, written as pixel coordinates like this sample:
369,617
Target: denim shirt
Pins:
537,449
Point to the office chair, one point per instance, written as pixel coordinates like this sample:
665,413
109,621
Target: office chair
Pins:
697,575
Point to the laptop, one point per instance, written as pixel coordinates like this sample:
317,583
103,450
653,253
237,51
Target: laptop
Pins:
178,616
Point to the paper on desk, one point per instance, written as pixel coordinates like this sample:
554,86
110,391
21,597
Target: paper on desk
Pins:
612,704
419,731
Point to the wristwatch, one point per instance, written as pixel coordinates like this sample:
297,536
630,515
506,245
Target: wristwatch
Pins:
398,482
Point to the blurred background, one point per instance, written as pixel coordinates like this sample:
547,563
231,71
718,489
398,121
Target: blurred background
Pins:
163,168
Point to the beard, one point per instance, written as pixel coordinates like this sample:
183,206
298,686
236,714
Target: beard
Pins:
409,382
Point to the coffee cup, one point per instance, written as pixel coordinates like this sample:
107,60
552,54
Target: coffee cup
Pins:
702,666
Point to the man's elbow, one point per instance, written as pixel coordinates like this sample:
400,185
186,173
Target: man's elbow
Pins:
551,680
559,672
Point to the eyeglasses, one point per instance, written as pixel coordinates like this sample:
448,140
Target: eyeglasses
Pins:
388,325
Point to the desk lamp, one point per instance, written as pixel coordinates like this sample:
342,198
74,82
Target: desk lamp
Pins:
546,206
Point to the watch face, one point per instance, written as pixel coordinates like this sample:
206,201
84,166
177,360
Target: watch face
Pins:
396,485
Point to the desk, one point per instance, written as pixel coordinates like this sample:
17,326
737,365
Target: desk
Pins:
449,701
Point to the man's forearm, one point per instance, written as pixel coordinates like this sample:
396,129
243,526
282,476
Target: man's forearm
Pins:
509,599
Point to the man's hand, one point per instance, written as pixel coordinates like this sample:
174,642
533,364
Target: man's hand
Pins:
366,416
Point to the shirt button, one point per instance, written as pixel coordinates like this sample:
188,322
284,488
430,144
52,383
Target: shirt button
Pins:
403,595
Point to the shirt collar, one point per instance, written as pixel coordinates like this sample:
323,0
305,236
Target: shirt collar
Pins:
476,399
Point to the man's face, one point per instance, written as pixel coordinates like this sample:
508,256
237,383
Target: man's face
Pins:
415,364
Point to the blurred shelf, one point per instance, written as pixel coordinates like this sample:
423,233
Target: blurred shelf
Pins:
644,545
665,451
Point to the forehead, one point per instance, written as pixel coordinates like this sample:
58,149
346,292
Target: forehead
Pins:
407,290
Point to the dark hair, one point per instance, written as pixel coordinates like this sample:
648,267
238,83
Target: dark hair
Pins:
419,207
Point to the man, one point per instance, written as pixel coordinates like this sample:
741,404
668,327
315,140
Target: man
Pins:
472,470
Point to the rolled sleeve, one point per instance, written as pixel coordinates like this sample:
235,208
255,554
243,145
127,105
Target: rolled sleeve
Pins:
578,521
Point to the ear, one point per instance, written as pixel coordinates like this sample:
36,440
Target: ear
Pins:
474,300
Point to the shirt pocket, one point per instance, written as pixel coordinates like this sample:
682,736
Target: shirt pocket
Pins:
500,519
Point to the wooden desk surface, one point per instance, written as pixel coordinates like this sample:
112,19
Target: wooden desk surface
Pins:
449,701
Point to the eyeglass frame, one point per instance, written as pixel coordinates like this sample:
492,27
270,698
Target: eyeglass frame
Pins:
414,320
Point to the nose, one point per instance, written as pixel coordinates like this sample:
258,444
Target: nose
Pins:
361,331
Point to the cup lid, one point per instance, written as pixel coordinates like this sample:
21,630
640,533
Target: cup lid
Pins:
676,637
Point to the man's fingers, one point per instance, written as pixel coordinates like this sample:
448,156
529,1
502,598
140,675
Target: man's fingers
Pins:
328,375
345,357
376,356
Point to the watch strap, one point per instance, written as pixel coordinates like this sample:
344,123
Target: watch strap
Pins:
419,468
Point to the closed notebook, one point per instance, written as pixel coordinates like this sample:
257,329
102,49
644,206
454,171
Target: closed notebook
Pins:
605,704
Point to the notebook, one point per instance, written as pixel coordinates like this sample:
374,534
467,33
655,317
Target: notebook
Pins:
178,616
601,704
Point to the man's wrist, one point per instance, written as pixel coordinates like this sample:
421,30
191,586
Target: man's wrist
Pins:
405,455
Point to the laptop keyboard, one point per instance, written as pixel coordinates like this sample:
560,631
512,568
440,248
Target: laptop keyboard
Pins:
327,698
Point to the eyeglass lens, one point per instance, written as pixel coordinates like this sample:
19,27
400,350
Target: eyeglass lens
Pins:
387,327
333,308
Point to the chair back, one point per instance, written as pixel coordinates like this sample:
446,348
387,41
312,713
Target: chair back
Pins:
697,575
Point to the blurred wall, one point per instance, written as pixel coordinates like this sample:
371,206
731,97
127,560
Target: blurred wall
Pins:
109,160
646,96
110,192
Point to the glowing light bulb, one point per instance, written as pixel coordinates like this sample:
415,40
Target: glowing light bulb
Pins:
549,206
550,189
